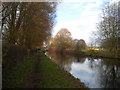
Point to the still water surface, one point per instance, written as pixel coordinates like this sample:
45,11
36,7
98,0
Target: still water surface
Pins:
95,73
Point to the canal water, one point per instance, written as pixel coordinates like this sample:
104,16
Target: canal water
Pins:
95,73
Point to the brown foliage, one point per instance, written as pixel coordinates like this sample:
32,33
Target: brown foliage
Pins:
62,40
27,23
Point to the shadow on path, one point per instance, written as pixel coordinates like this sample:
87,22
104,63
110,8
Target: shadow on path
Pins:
34,77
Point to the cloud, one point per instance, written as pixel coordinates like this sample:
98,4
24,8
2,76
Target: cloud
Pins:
114,1
79,17
84,0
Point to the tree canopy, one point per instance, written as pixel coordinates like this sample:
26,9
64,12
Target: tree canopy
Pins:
62,39
109,27
80,45
27,23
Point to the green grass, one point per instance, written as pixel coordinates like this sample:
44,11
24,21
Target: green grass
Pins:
54,77
50,75
17,77
85,50
103,53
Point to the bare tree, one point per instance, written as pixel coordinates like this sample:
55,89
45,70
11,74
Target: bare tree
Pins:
27,23
80,45
108,27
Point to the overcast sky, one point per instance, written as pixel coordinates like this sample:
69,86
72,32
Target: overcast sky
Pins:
79,17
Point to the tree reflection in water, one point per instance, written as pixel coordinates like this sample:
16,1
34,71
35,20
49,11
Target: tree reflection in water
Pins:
96,73
64,61
108,72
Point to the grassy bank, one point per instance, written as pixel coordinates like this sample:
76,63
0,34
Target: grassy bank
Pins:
54,77
48,75
100,53
17,76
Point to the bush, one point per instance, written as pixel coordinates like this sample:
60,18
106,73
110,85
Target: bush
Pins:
11,55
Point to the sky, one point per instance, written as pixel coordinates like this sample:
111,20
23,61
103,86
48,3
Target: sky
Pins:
79,17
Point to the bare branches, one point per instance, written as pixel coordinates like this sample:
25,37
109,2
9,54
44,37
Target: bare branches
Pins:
28,23
109,27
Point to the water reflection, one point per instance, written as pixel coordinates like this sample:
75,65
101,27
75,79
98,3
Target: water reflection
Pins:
95,73
64,61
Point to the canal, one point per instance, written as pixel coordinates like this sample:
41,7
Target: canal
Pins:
94,72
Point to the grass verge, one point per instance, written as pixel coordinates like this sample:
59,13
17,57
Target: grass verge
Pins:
17,76
50,75
54,77
101,53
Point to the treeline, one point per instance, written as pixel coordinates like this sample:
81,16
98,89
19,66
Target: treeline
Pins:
27,24
109,28
63,42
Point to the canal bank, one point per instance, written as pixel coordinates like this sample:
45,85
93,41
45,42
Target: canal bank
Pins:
94,72
101,54
39,72
55,77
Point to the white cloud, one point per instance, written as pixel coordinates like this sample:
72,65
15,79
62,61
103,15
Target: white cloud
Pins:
83,0
76,6
84,19
114,1
80,29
